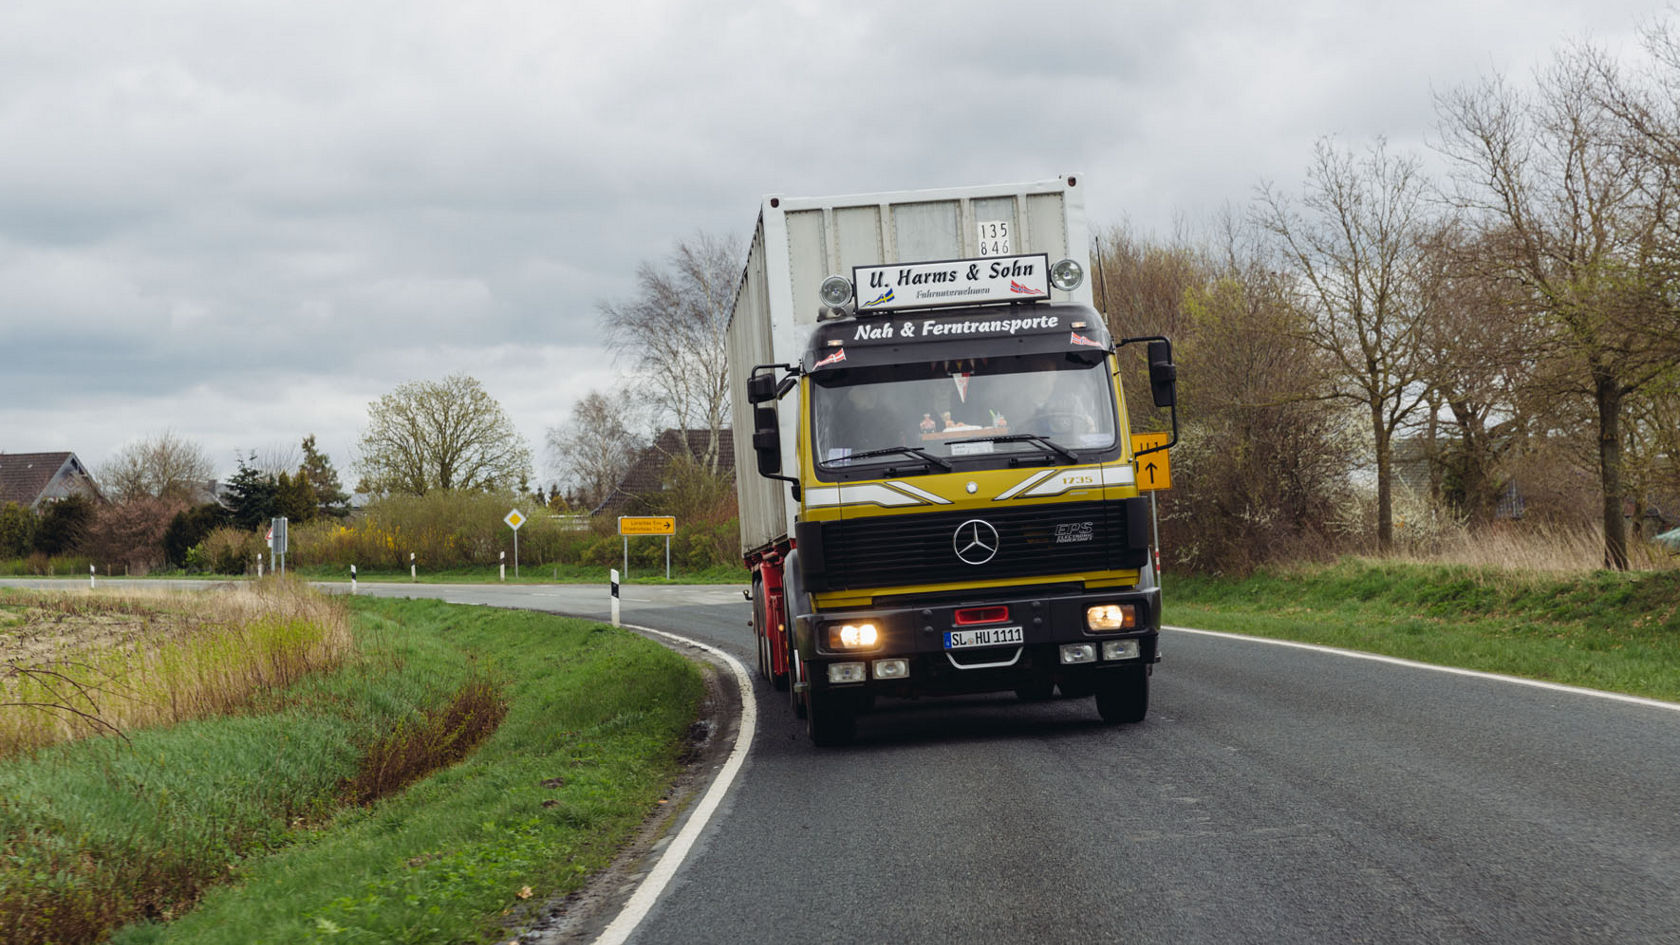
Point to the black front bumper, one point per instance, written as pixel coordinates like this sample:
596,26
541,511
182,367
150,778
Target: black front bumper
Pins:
917,634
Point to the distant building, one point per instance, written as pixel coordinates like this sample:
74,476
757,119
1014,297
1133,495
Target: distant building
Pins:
647,477
34,479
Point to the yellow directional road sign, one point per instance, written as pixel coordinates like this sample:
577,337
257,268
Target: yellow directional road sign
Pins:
1154,472
647,525
514,519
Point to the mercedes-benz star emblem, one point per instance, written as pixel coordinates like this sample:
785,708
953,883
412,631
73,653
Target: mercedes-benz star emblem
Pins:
975,541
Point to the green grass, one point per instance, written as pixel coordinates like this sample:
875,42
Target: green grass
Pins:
1604,630
252,819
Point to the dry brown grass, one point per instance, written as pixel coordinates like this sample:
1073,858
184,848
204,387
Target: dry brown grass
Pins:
83,662
1544,548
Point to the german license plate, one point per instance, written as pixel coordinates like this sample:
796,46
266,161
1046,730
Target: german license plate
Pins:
986,636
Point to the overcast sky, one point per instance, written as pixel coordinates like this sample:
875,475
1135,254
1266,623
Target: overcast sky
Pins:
244,220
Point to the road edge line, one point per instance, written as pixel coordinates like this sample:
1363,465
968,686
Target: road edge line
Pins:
653,885
1452,670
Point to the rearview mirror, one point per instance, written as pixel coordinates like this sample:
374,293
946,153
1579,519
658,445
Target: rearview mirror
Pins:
761,387
767,437
1163,374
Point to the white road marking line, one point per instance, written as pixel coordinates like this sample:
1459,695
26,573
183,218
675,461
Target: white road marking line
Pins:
1452,670
671,860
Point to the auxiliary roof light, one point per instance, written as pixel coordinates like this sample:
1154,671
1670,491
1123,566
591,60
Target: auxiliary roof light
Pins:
1067,275
836,291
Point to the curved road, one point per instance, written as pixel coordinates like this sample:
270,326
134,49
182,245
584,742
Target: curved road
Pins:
1273,795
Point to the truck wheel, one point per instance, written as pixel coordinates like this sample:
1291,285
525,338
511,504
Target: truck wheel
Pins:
766,660
1123,696
831,718
795,675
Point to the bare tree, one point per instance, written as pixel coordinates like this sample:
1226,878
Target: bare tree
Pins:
1567,216
448,434
674,331
1477,360
1356,250
1263,463
595,448
1140,287
164,466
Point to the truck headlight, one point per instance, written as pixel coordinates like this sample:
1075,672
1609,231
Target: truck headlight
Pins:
841,673
1120,650
853,636
1073,653
1111,617
892,669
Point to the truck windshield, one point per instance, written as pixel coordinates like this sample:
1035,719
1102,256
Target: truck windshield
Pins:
972,408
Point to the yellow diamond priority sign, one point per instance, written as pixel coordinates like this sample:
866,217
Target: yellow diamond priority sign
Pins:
514,520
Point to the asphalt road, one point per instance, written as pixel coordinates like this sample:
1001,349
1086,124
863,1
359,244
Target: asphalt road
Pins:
1273,795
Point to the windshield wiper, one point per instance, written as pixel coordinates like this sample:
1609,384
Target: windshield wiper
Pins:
907,450
1033,438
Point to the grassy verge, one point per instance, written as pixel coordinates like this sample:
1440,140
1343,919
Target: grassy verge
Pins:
1613,631
281,825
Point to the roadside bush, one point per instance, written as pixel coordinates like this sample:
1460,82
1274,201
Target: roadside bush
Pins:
17,530
64,524
227,550
130,534
446,530
40,565
442,530
190,527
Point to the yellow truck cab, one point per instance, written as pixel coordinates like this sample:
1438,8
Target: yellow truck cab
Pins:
964,513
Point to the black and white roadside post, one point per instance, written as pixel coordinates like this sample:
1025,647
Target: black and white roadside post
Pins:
352,580
614,573
91,572
503,558
514,519
413,574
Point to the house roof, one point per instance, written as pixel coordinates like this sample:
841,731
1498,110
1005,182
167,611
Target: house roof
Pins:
25,478
647,474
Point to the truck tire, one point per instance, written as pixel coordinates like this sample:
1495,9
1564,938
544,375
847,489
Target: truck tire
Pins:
795,676
830,718
1123,698
761,629
757,625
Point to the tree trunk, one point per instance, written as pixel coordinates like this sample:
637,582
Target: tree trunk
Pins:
1385,484
1608,394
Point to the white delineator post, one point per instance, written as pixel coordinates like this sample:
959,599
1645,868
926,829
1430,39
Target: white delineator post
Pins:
614,573
92,570
352,580
504,559
413,575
